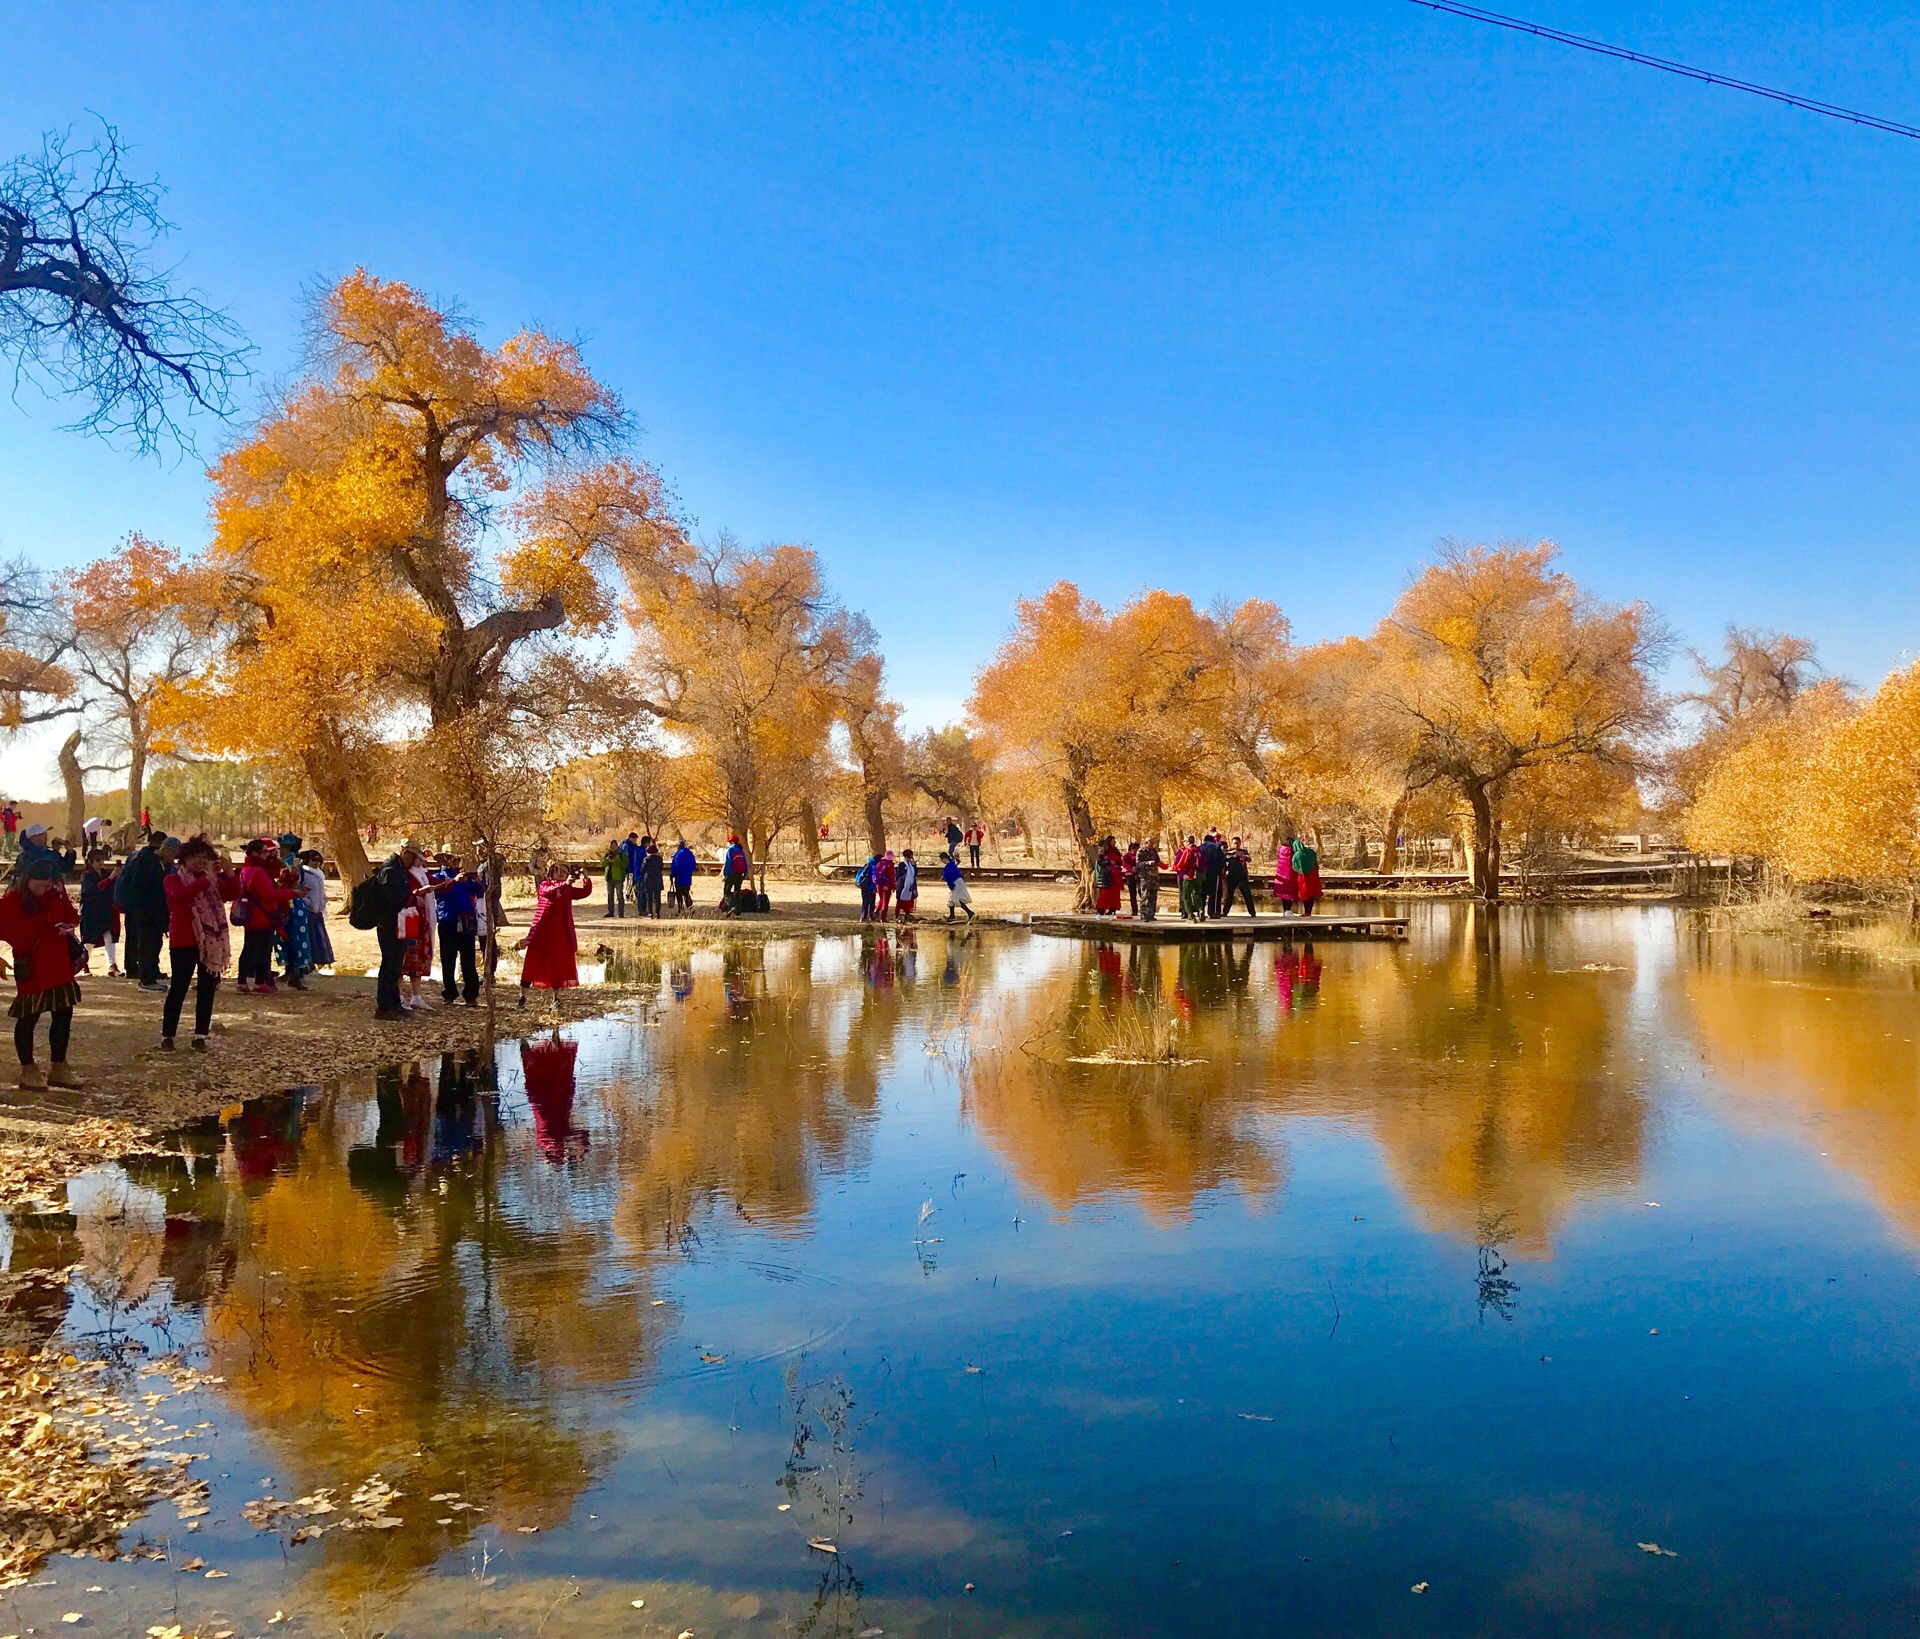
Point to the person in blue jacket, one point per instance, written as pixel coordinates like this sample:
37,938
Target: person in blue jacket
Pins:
733,877
684,865
958,899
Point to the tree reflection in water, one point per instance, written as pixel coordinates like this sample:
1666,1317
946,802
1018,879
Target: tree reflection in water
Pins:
402,1302
1815,1038
1496,1082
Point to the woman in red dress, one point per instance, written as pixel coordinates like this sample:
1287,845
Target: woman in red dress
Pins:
551,944
1286,884
1108,873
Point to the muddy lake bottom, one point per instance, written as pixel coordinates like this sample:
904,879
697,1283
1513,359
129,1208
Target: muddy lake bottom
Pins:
1546,1276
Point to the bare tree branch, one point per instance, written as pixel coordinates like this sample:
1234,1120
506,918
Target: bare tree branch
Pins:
83,311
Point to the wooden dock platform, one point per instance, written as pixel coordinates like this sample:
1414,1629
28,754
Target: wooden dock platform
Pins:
1172,930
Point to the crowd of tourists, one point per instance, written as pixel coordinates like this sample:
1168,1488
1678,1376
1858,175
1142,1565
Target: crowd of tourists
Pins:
890,888
180,897
1210,874
176,914
639,870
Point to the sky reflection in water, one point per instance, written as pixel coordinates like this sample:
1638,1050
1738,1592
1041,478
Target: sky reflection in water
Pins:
1368,1291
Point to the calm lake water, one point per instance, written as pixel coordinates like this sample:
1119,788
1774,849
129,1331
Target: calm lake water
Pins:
1433,1282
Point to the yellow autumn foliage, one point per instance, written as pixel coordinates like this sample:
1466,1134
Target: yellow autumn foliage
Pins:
1755,795
1859,815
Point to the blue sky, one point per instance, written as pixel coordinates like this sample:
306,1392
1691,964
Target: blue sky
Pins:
1236,301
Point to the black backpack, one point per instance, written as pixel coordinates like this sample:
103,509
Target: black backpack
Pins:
368,903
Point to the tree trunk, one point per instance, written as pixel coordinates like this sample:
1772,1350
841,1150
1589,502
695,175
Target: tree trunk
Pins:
759,851
76,785
810,833
136,770
1390,848
875,800
484,948
1484,872
1026,833
342,815
1080,818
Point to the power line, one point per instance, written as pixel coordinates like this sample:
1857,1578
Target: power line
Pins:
1581,42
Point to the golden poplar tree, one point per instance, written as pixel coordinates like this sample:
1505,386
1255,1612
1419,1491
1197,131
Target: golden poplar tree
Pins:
355,536
141,622
1754,796
744,657
1859,814
1114,718
1492,663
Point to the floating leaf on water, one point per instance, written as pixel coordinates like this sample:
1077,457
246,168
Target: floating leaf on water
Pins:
638,1604
1419,1587
1254,1417
1655,1548
194,1564
713,1359
447,1521
785,1506
216,1573
821,1545
76,1616
526,1530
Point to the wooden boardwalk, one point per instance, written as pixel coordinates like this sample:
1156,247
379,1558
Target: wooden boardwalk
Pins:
1172,930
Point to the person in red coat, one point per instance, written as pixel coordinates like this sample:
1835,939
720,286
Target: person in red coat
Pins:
1108,871
551,944
39,921
266,901
1286,883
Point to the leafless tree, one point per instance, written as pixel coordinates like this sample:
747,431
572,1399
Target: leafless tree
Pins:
83,311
